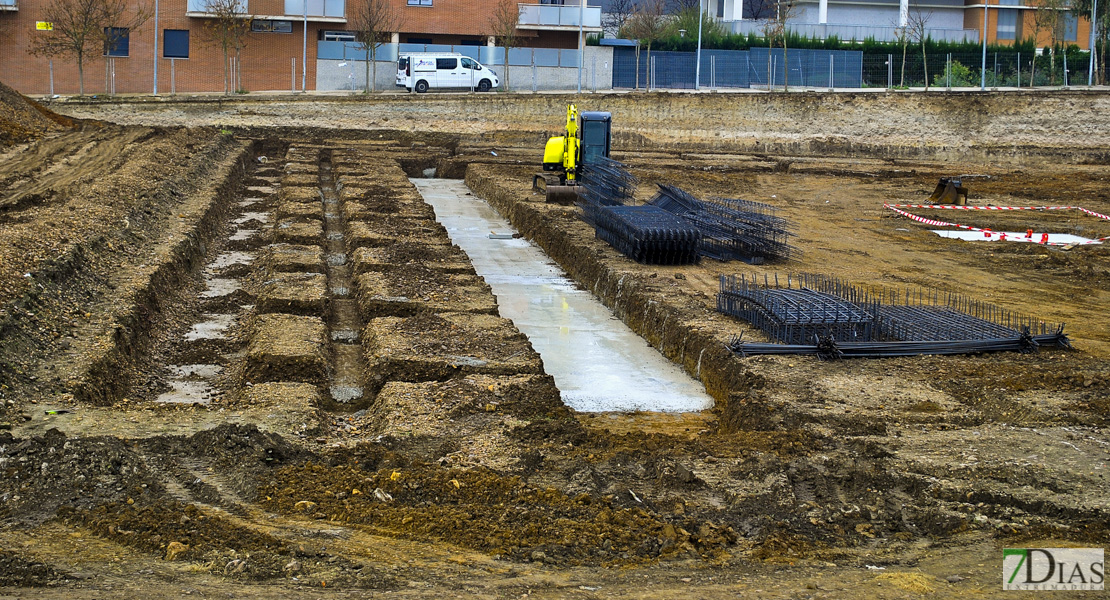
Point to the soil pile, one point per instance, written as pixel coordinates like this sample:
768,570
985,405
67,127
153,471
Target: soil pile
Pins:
22,119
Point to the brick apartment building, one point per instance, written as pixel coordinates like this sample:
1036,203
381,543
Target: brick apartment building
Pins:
280,51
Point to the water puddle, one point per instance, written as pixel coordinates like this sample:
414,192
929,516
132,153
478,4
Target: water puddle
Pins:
214,328
598,363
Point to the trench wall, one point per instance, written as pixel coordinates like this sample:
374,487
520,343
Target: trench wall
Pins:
1068,126
154,287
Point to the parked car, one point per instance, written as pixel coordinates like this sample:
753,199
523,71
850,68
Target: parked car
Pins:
423,71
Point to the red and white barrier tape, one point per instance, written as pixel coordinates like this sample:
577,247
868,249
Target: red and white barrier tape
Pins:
955,207
987,232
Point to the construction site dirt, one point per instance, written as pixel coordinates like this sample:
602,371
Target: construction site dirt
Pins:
241,358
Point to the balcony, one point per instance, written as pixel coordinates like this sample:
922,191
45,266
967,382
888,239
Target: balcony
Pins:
559,17
328,11
9,5
206,8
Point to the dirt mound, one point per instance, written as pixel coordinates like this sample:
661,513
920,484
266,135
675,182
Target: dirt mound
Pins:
176,531
491,513
22,119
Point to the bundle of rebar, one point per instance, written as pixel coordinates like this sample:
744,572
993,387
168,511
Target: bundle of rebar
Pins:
830,318
827,348
794,316
606,182
647,234
731,229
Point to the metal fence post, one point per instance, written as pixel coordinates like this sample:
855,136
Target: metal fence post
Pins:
831,85
1065,68
889,71
1019,70
948,70
293,74
712,72
651,76
173,76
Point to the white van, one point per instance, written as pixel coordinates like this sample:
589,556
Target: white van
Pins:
443,70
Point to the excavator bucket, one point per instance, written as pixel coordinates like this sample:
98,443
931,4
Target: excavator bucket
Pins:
950,191
554,192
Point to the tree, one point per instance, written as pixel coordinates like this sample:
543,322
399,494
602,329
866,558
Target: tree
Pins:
373,22
227,29
620,11
646,25
1049,16
774,31
918,26
1102,35
902,37
503,24
83,26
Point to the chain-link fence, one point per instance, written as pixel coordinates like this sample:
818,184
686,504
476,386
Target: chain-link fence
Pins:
1003,69
754,68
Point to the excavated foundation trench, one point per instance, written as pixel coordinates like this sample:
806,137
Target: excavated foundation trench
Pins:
328,387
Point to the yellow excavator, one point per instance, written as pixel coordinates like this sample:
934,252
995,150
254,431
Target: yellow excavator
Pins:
587,136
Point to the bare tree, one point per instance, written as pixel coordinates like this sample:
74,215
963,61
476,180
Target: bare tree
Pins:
902,36
647,25
1049,17
620,11
503,24
918,27
83,26
759,10
775,30
373,22
227,30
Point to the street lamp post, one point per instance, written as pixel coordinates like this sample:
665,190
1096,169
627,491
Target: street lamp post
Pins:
983,69
155,47
697,57
1091,62
581,42
304,48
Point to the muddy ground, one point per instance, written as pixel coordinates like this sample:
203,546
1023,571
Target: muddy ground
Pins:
145,458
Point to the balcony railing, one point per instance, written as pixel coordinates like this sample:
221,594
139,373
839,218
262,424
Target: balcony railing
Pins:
202,7
316,8
539,16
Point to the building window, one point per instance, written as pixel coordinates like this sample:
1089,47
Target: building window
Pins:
1007,24
1071,27
420,2
418,40
175,43
116,41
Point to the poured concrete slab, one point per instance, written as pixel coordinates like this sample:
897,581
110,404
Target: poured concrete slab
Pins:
294,232
405,292
434,347
597,361
294,293
442,258
287,348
